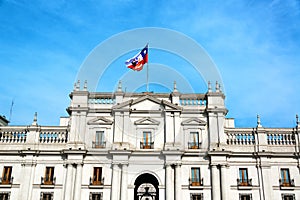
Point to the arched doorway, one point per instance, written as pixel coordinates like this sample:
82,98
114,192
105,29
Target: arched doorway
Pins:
146,187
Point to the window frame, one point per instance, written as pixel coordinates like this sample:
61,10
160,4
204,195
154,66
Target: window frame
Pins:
241,195
99,141
96,193
97,176
244,177
147,140
49,176
283,196
285,178
47,193
195,179
193,135
200,196
6,175
7,195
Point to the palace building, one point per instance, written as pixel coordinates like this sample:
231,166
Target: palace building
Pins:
148,146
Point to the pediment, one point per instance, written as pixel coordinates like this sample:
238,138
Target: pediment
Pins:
146,121
193,122
147,103
100,121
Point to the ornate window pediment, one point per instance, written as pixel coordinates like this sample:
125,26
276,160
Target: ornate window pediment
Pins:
193,122
146,121
100,121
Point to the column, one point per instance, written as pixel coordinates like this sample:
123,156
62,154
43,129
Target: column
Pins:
223,182
267,188
115,183
259,174
69,181
124,182
26,187
78,180
169,183
178,182
215,177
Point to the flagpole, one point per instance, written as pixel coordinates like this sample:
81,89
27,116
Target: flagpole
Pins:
147,84
147,78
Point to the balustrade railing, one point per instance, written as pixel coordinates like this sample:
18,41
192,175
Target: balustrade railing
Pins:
102,101
287,182
234,138
147,145
6,181
48,180
53,137
195,181
244,182
281,138
192,102
94,181
13,136
98,145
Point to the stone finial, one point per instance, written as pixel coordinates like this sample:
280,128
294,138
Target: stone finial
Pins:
297,121
175,87
217,87
77,86
119,86
258,121
85,85
209,87
34,123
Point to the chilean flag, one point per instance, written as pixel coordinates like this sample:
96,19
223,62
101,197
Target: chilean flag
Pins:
138,61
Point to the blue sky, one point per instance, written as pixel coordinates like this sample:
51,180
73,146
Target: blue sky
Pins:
254,44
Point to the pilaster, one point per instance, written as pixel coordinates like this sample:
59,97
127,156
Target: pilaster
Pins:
178,182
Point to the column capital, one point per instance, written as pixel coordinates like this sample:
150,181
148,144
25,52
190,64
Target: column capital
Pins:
177,165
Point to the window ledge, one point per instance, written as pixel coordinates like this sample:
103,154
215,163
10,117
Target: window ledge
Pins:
245,187
96,186
287,187
198,187
5,185
47,186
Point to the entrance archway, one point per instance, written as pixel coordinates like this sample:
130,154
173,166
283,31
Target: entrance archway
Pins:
146,187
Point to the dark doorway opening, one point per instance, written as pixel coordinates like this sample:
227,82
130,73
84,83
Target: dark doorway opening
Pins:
146,187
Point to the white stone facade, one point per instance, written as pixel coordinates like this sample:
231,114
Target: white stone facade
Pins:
142,146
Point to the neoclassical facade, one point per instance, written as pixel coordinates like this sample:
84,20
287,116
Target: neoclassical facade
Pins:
148,146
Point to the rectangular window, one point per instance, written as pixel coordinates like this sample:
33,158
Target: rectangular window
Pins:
99,140
97,176
147,140
6,175
195,179
288,196
245,196
47,196
49,176
196,196
285,178
4,195
95,196
243,180
194,140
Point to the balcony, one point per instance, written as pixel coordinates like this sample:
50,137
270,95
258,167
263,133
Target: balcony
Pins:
193,145
149,145
96,183
48,180
287,184
6,181
99,145
195,183
244,182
